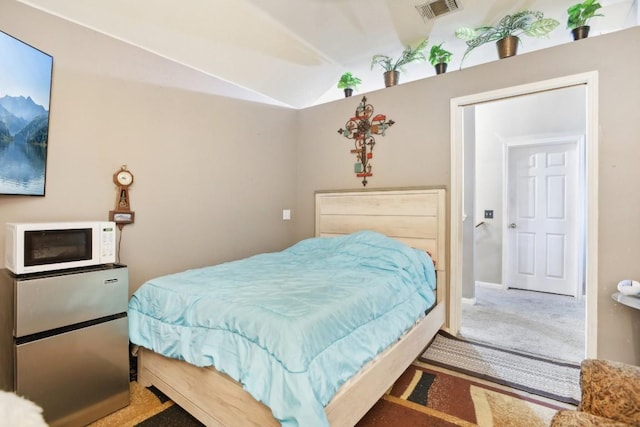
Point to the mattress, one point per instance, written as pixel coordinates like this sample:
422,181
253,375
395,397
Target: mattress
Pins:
290,326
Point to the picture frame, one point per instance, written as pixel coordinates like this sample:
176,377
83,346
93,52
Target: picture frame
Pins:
25,96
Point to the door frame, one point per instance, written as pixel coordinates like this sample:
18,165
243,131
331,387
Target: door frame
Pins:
457,212
578,142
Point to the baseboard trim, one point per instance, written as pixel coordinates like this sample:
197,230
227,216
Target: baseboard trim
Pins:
489,285
469,301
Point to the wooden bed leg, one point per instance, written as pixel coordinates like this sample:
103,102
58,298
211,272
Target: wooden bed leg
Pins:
141,374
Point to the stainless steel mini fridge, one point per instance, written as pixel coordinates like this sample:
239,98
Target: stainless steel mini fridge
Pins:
64,341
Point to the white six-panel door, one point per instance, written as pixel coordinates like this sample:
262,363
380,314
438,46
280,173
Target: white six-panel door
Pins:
542,252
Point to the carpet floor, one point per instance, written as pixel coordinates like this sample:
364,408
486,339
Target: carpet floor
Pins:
547,325
553,379
425,395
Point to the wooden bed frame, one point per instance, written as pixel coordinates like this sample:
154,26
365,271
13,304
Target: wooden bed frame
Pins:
415,216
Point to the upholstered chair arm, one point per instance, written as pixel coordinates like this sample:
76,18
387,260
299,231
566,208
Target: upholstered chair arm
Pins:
571,418
610,390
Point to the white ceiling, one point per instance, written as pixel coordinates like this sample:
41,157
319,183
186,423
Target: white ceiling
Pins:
292,52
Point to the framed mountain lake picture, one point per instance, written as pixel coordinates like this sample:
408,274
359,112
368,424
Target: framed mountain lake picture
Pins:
25,92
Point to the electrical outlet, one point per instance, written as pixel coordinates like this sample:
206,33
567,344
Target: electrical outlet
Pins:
488,214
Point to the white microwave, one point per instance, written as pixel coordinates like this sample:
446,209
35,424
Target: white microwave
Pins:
37,247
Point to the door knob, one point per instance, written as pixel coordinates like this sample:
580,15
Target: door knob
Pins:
512,225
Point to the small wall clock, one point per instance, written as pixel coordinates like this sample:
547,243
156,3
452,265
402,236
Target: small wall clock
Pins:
122,214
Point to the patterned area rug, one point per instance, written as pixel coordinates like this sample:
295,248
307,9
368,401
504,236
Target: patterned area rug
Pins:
556,380
425,395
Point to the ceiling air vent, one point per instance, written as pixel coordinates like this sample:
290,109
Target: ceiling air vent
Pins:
433,9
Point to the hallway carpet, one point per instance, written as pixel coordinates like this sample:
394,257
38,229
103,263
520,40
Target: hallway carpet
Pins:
424,395
552,326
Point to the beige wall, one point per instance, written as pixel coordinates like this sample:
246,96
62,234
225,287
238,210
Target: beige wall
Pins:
212,174
416,151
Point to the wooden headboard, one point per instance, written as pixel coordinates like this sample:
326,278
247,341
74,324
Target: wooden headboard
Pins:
415,216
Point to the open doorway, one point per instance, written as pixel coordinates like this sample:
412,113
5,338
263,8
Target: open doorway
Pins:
502,247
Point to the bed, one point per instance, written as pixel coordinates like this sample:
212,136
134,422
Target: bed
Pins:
415,217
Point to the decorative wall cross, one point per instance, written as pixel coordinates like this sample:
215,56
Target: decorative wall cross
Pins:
362,129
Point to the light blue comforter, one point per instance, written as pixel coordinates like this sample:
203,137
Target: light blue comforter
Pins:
290,326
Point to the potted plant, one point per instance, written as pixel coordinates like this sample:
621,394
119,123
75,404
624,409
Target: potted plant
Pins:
393,67
439,58
506,33
579,16
349,83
